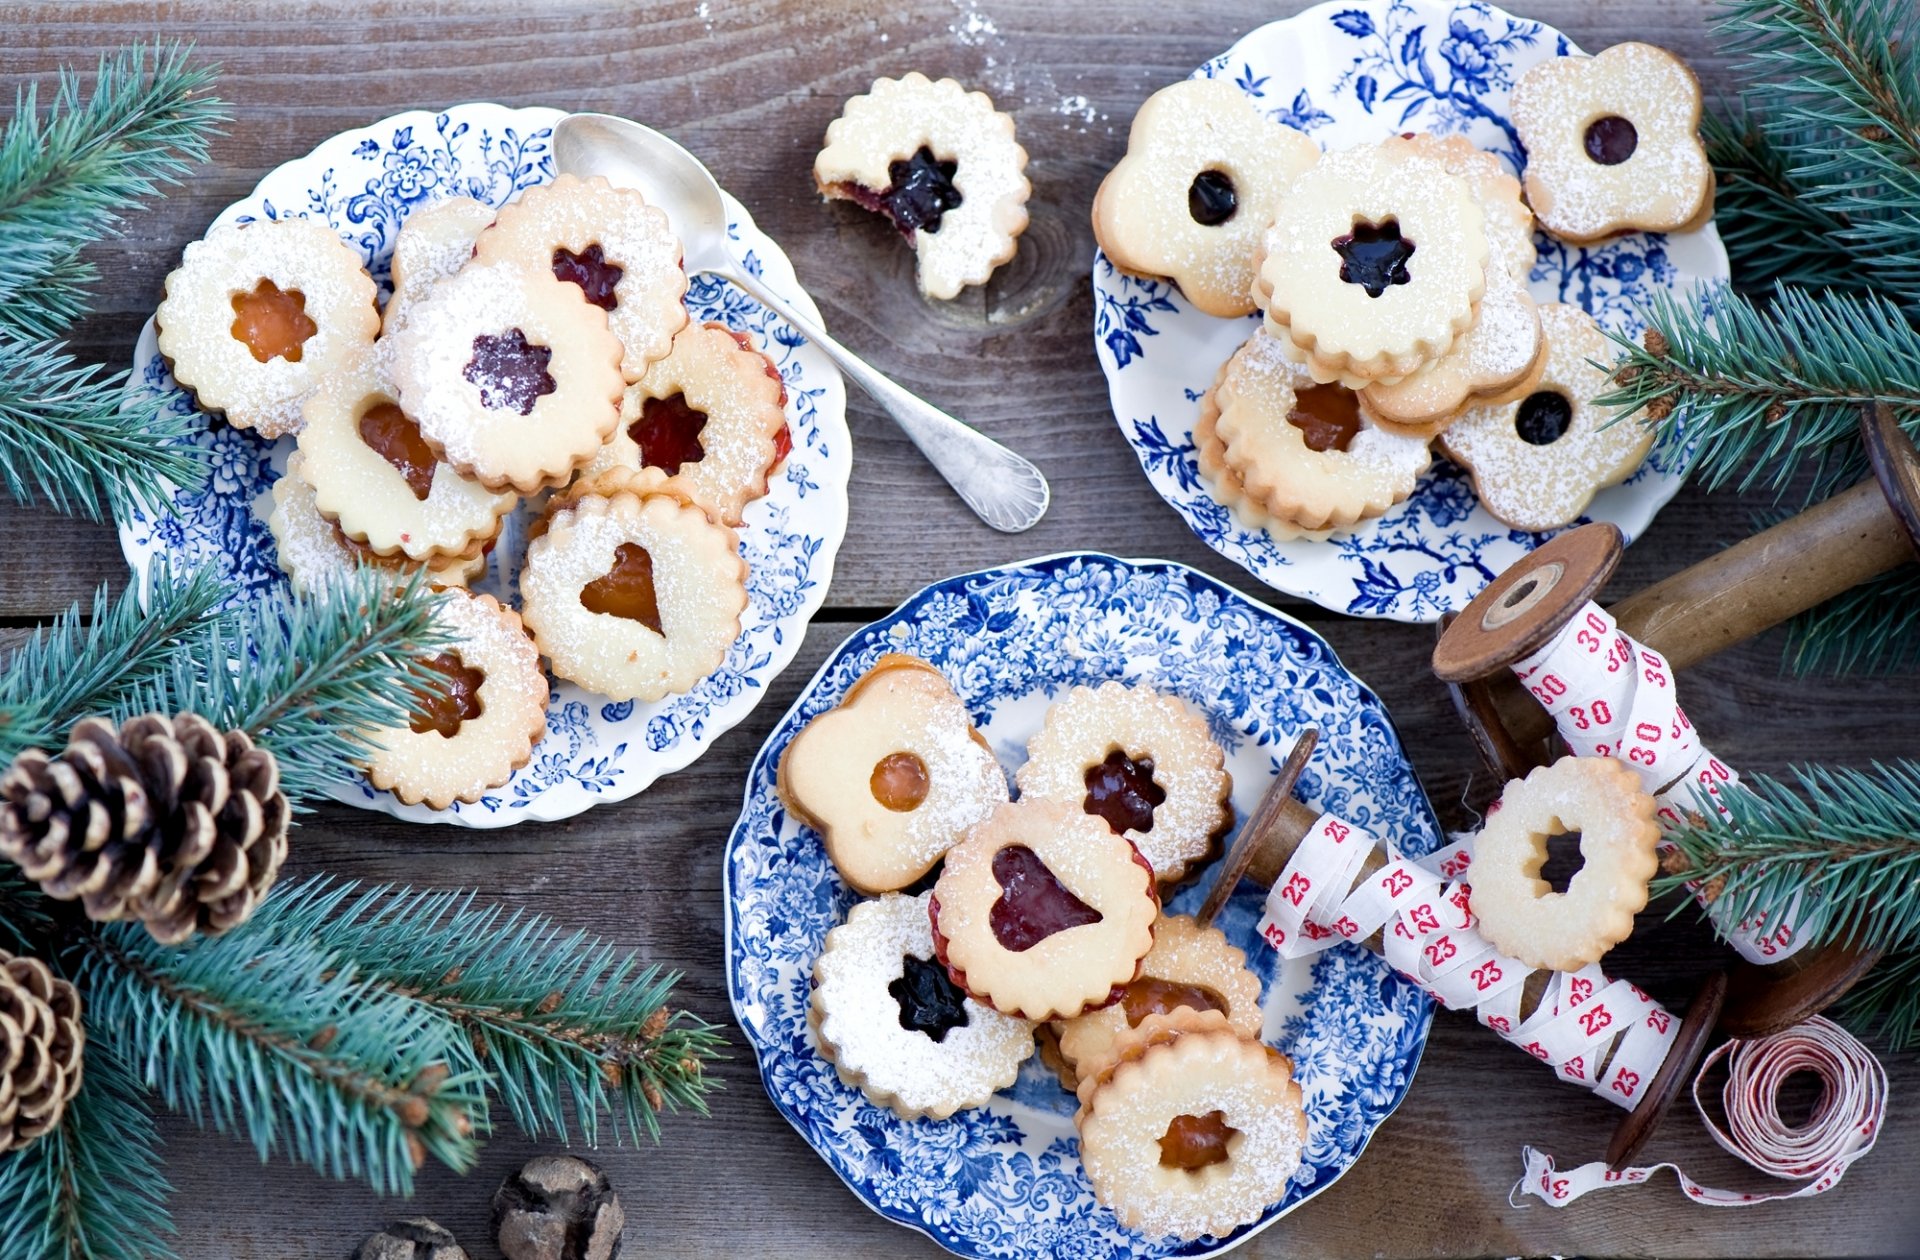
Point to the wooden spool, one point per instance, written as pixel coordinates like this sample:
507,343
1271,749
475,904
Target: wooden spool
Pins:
1750,587
1277,826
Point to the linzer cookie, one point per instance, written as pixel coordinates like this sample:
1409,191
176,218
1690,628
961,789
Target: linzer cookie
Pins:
511,375
942,164
1613,144
480,723
1210,453
312,551
433,243
609,243
257,315
893,776
1043,912
1140,760
894,1024
1538,461
634,598
1200,183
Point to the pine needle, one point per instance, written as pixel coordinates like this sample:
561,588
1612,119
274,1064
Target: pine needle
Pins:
1772,230
1887,1002
1873,628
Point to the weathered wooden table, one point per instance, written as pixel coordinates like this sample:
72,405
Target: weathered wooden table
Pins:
750,88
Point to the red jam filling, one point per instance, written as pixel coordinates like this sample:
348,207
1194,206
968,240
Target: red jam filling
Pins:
1033,903
668,433
510,372
452,698
1122,791
396,438
592,272
1327,416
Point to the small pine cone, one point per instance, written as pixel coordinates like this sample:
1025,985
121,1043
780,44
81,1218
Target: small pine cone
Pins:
40,1043
165,820
414,1239
558,1208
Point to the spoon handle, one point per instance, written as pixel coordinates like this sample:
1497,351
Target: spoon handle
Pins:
1003,488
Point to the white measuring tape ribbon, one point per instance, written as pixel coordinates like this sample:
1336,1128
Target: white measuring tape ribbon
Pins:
1611,696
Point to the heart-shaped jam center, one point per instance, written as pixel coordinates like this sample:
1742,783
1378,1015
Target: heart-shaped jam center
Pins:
1374,256
450,698
272,322
396,439
592,272
899,781
509,371
1611,140
668,433
626,590
1211,199
1543,417
1327,416
1033,903
1195,1142
922,190
1150,995
1122,791
929,1000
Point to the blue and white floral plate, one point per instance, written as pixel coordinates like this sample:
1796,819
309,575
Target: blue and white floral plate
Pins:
1350,72
1005,1180
365,183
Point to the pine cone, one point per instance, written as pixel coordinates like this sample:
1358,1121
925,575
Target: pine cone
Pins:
165,820
416,1238
40,1040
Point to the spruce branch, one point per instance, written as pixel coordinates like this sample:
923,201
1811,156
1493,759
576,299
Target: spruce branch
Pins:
1875,627
26,913
1848,839
1887,1002
1774,233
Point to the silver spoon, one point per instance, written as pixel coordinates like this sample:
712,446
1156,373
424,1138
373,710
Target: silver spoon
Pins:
1006,490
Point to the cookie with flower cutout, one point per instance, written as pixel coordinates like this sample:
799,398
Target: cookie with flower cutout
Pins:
617,250
435,241
1374,266
314,554
1537,461
893,776
708,421
888,1017
942,164
258,314
1201,181
1224,484
1142,761
1613,144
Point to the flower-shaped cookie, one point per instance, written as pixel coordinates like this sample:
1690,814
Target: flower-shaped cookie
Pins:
1613,144
1200,183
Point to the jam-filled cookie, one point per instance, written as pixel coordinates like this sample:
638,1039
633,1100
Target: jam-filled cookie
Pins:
707,422
1189,967
942,164
1374,265
618,250
374,475
1210,453
1042,911
433,243
1142,761
480,724
1538,461
897,1028
511,375
312,551
1192,198
258,314
634,598
893,777
1194,1130
1613,144
1311,454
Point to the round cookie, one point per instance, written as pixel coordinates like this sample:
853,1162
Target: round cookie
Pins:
1042,912
484,724
616,249
634,598
312,551
1375,264
1613,144
1538,460
511,375
1210,453
942,164
1142,761
893,776
258,314
1519,913
433,243
897,1028
1201,181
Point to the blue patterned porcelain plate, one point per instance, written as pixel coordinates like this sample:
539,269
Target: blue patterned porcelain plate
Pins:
1349,72
1005,1180
365,183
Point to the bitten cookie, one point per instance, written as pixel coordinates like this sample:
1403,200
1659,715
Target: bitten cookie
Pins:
257,315
1613,144
433,243
1537,461
896,1027
1140,760
312,551
1200,183
893,776
942,164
